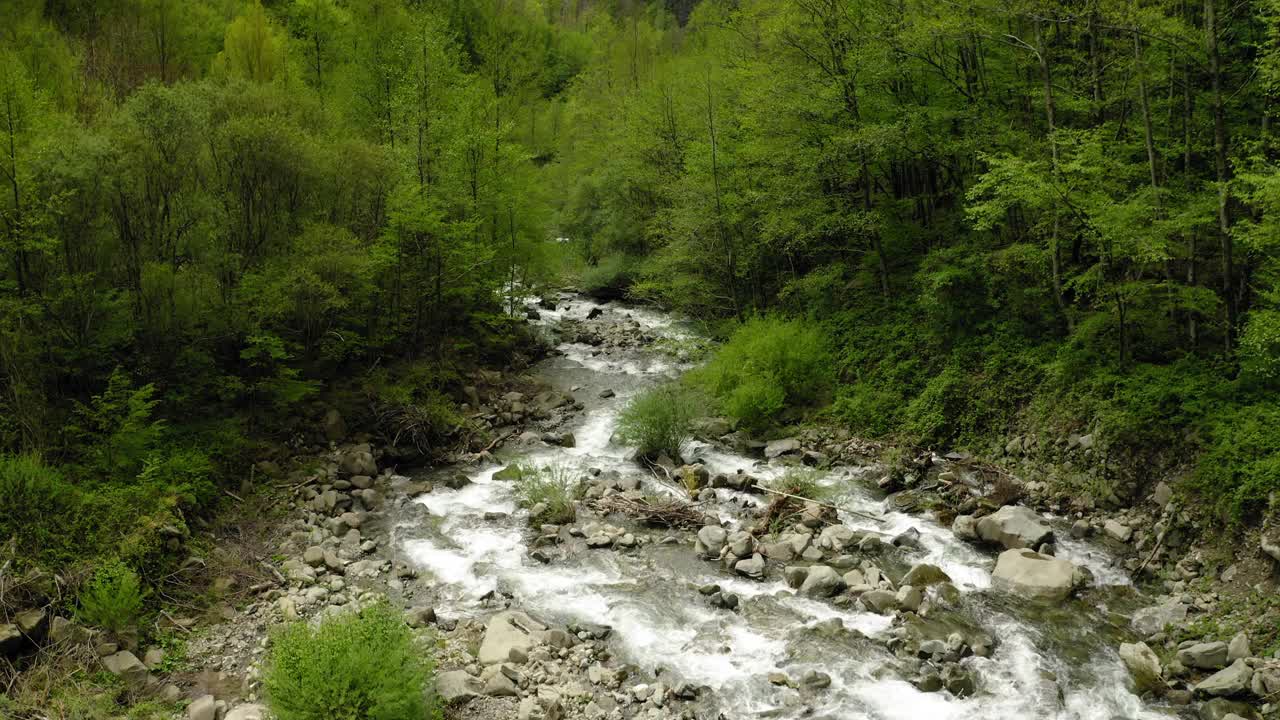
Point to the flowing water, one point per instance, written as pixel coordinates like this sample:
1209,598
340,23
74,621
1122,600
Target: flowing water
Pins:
1048,663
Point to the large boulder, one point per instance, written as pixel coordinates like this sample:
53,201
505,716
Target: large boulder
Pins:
776,448
1014,526
1205,655
508,632
250,711
1030,574
924,575
822,581
1143,665
1231,681
456,687
357,460
711,539
203,708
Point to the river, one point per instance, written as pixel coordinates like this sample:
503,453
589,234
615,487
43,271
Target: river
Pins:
1047,663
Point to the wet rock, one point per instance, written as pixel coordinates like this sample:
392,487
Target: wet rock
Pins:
1231,681
815,680
752,567
835,537
1014,527
909,598
909,539
1081,529
1030,574
606,394
741,543
795,575
711,539
1151,620
1143,665
924,575
822,581
965,527
958,681
508,632
881,602
1222,709
1205,655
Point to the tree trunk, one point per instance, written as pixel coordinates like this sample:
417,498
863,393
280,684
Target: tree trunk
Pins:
1223,172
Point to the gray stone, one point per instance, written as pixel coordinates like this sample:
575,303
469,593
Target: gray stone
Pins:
1205,655
10,639
795,575
506,632
313,556
1228,682
1266,679
924,575
965,527
250,711
1238,647
126,666
1117,531
1030,574
741,543
910,598
1151,620
456,687
752,567
1143,665
202,708
882,602
1162,494
32,623
711,539
777,448
1014,527
822,582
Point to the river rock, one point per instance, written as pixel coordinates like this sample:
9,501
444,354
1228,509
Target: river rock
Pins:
711,539
835,537
777,448
1151,620
924,575
1224,709
1028,573
1205,655
881,602
965,527
752,567
1014,527
822,581
741,543
507,636
795,575
1143,665
1231,681
909,598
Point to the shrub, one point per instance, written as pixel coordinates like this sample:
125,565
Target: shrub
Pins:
658,421
37,503
767,365
801,483
1240,467
552,486
113,598
354,666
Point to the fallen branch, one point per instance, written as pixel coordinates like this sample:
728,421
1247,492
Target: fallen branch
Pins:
671,513
819,502
236,497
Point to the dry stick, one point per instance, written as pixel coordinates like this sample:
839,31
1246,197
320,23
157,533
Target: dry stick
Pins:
1150,557
233,495
818,502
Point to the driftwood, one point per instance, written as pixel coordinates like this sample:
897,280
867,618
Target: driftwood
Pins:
818,502
662,512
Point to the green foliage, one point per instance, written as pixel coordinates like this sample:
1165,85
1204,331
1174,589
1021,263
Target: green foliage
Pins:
1240,468
112,599
553,487
118,426
353,666
768,364
801,483
659,421
40,508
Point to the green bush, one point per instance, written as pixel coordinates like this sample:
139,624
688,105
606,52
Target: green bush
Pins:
552,486
39,508
354,666
658,421
1240,467
768,365
113,598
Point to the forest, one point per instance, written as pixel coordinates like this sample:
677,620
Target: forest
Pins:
939,225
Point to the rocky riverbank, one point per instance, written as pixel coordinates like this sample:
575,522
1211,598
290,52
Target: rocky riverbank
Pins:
691,588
